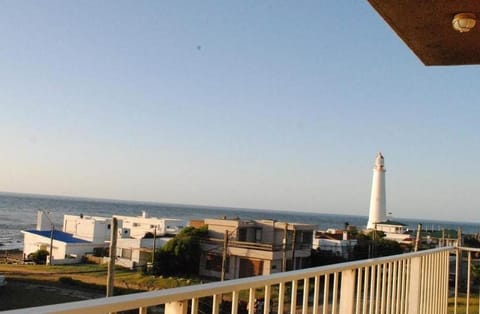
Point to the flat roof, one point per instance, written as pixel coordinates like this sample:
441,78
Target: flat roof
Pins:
58,236
426,28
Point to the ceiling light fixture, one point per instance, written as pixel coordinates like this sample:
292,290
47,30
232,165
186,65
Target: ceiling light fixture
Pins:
464,22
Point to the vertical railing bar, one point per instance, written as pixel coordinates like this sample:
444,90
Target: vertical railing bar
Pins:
433,287
384,284
399,285
438,282
142,310
281,297
216,304
235,296
469,265
366,275
427,288
306,288
194,309
402,285
371,300
389,287
293,297
457,266
394,287
443,283
407,284
446,268
378,295
357,294
335,293
428,284
422,284
266,299
326,293
251,300
316,294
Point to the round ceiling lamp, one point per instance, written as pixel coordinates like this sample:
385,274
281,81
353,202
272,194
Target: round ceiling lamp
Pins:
464,22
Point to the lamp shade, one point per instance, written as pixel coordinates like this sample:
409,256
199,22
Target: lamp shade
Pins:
464,22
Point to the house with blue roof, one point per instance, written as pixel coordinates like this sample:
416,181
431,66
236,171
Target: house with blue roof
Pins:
66,249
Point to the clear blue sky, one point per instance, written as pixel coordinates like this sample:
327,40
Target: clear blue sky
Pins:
259,104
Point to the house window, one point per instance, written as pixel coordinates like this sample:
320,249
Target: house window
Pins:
214,262
127,253
258,235
242,234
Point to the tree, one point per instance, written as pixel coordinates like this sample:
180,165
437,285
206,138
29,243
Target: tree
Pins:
324,257
39,256
373,245
181,255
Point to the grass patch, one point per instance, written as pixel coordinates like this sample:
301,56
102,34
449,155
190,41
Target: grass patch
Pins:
93,275
462,304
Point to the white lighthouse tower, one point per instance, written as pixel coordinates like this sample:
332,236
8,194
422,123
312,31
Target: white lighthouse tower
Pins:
378,204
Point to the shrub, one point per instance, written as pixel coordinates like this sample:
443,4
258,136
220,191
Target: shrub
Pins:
39,256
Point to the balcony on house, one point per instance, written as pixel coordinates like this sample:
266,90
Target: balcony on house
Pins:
420,282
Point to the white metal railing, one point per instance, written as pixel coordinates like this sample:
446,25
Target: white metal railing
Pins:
408,283
464,279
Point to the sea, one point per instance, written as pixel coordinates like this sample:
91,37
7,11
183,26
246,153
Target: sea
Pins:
19,212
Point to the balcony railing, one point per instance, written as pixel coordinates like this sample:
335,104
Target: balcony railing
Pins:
408,283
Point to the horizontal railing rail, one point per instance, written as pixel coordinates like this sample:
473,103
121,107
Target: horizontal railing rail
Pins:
407,283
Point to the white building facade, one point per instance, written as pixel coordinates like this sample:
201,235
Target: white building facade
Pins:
81,235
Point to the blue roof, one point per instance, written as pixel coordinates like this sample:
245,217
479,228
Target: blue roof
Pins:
58,235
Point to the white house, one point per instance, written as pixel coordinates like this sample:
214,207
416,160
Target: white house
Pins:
66,249
90,228
139,226
83,234
336,241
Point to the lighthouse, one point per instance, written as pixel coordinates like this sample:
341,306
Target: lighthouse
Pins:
378,204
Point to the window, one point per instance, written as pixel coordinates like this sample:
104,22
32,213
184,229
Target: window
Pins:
214,262
242,234
258,235
127,253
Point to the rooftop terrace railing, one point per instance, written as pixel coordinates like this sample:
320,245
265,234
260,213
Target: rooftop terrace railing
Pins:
408,283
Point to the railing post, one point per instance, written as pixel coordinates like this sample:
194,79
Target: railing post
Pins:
347,291
179,307
414,285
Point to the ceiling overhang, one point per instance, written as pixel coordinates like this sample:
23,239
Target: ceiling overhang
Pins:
426,28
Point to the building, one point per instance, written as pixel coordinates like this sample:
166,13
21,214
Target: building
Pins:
66,249
377,218
254,247
335,241
395,231
378,202
82,234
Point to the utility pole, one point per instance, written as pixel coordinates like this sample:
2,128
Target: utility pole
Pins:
52,226
284,248
443,238
417,241
294,239
224,255
154,244
50,257
111,262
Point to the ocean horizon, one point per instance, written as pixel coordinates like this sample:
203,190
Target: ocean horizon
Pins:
19,212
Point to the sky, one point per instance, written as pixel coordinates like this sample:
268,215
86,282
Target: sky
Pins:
248,104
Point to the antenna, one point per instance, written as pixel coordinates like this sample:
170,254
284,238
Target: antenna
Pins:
50,257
